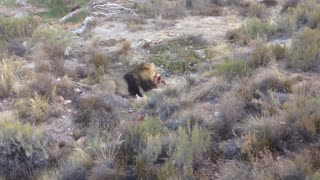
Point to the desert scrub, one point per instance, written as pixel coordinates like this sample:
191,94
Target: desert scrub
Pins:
233,69
265,133
261,55
252,29
304,52
22,149
279,51
53,40
303,112
100,112
16,27
257,10
178,55
96,158
37,109
9,70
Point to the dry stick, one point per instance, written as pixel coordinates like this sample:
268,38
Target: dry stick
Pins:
70,15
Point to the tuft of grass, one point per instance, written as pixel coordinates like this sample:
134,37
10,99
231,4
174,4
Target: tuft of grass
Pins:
233,69
252,29
302,111
303,53
22,149
231,110
43,84
192,143
178,55
257,10
17,27
36,109
52,40
95,159
279,51
8,76
261,55
265,133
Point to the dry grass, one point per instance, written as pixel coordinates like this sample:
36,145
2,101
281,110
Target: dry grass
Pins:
17,27
261,55
37,109
302,53
8,76
22,149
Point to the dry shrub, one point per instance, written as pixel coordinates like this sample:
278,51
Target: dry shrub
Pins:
43,84
269,3
257,10
37,109
302,53
261,55
17,27
252,29
279,51
265,133
230,112
303,112
96,158
8,76
289,4
65,88
233,69
22,149
235,170
100,112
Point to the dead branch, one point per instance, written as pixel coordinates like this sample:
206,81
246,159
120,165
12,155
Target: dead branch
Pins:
70,15
105,8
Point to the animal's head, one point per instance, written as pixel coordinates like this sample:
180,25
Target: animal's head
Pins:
150,70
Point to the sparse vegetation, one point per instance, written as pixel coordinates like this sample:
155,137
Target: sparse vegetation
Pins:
238,99
302,54
17,27
22,149
251,30
234,69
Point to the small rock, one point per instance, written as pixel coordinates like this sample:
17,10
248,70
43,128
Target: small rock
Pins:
131,110
67,51
81,140
216,113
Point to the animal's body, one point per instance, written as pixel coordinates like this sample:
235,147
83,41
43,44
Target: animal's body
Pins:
143,76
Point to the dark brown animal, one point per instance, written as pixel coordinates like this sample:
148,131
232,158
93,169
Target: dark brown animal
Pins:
143,76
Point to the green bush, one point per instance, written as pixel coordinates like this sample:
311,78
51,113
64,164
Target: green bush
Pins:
252,29
52,40
257,10
233,69
304,52
16,27
22,149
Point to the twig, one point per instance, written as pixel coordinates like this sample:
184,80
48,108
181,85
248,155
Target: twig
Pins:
70,15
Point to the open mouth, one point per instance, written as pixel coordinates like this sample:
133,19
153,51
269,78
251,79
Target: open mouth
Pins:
158,81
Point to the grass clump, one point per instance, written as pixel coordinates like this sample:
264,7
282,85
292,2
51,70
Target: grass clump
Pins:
303,53
252,29
8,76
265,133
150,145
303,112
257,10
233,69
17,27
178,55
279,51
52,40
261,55
22,149
97,158
36,109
